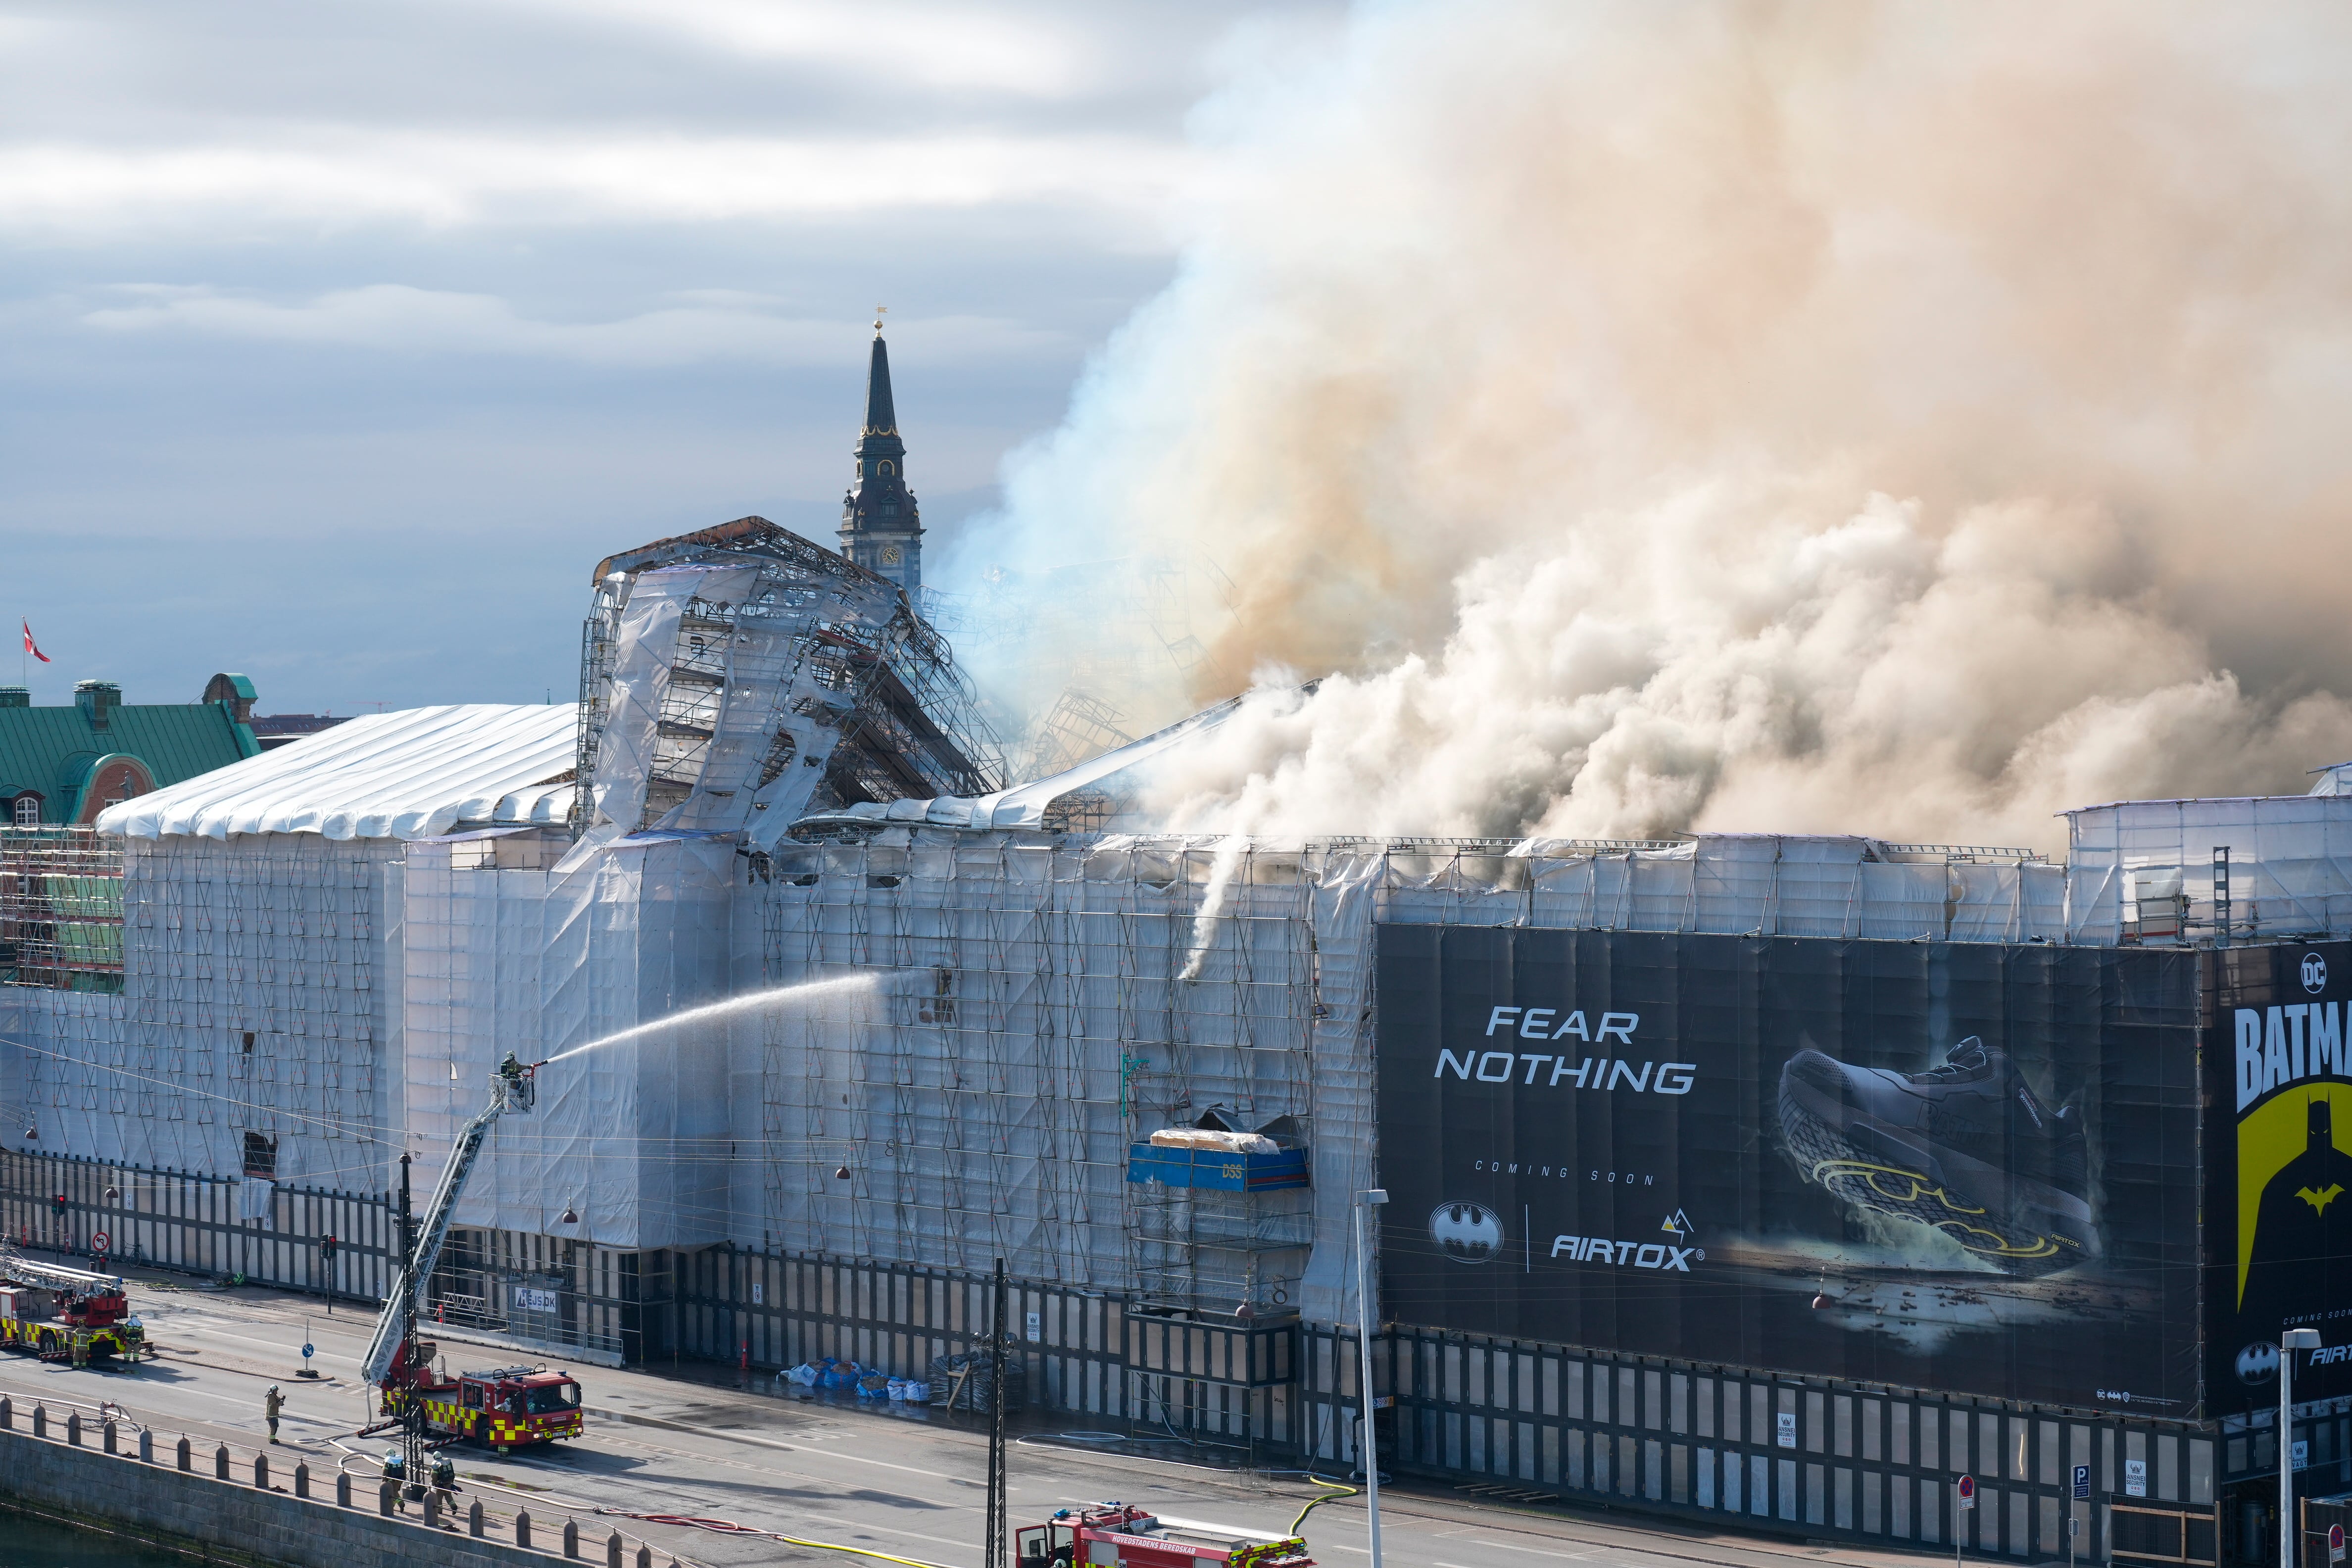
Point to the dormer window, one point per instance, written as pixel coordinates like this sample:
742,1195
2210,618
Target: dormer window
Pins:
25,811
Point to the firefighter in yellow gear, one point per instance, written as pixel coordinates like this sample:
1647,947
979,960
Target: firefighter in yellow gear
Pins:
271,1404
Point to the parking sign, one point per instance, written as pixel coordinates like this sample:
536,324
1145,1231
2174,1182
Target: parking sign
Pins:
2081,1481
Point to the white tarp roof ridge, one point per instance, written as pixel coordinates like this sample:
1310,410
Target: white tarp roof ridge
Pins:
1024,805
414,774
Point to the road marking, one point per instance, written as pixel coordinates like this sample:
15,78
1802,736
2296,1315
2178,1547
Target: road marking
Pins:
275,1345
802,1447
1531,1551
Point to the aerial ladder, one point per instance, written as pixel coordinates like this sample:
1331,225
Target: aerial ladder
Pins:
397,1362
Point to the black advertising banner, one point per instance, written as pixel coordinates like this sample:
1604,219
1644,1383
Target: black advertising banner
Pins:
2278,1206
1957,1166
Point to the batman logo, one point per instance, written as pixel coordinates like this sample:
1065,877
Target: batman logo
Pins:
1466,1232
2258,1363
2320,1200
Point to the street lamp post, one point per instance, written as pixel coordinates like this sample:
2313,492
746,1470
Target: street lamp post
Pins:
2292,1340
1368,1449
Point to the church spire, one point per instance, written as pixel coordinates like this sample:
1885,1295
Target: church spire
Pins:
881,418
881,529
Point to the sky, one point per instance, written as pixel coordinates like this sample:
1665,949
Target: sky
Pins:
338,344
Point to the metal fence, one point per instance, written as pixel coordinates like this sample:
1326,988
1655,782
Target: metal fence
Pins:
1526,1420
176,1219
1545,1422
1081,1352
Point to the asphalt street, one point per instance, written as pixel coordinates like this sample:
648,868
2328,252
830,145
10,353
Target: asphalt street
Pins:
909,1484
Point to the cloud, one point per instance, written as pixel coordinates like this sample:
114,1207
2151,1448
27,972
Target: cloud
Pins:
338,177
929,45
393,318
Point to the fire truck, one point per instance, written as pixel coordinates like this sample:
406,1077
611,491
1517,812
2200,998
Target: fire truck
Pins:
501,1407
66,1314
505,1407
1121,1535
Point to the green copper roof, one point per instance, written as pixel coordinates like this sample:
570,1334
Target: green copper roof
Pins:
52,751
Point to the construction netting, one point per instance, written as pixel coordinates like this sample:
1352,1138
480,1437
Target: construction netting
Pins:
729,681
1040,1008
2261,868
251,1028
505,949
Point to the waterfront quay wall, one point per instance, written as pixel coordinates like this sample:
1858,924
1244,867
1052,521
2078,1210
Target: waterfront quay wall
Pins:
250,1515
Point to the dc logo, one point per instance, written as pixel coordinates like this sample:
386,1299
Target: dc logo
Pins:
2315,973
1465,1232
2258,1363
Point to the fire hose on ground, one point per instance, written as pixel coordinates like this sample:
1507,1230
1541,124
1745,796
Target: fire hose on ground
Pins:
1332,1489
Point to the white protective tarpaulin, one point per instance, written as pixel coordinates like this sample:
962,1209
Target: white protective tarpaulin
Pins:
728,680
630,1138
1024,805
640,683
411,774
2289,869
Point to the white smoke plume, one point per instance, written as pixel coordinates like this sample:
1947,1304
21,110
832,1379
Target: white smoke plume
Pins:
1910,419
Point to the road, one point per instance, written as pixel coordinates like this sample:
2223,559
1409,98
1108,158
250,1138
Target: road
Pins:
909,1484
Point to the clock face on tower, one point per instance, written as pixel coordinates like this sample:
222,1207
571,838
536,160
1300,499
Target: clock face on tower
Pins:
890,555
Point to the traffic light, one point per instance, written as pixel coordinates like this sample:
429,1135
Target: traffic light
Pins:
57,1206
327,1248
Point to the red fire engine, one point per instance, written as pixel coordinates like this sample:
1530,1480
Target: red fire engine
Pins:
1123,1535
66,1314
502,1407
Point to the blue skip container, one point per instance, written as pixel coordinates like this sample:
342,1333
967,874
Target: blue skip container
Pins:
1216,1171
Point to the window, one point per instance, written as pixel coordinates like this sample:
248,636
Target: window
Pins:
884,466
552,1399
261,1156
25,810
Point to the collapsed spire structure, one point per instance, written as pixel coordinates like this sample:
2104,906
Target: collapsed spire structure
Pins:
735,678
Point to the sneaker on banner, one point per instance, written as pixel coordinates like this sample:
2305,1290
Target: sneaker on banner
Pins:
1966,1147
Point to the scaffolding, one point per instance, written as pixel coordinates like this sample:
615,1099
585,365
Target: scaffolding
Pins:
60,910
1079,728
2210,872
244,1037
742,669
1055,1004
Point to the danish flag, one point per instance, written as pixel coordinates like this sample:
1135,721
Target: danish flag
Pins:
31,647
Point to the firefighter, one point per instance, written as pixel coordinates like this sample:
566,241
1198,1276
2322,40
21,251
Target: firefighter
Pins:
271,1404
510,1069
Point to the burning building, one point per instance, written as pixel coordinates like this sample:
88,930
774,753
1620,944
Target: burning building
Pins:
1774,1176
